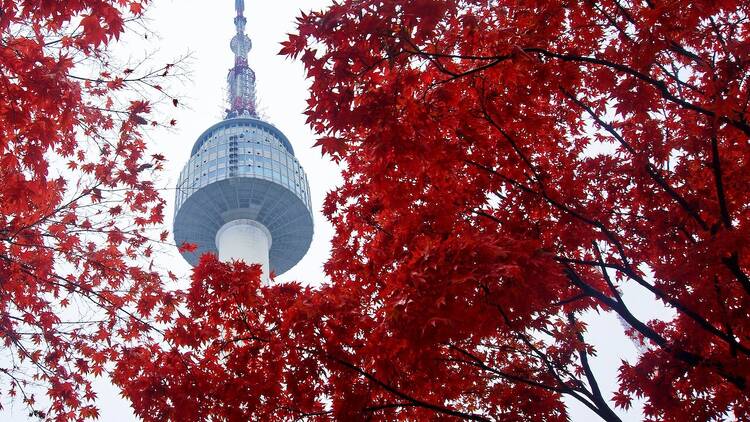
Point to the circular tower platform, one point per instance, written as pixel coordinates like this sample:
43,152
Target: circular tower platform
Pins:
244,169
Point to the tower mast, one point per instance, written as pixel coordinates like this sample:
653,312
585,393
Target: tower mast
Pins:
241,78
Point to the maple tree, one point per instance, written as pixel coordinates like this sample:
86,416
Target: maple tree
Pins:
509,167
77,201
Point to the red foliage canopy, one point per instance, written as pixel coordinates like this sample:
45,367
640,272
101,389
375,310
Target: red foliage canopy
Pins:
509,166
76,201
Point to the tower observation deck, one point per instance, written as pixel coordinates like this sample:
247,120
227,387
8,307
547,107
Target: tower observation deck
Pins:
243,194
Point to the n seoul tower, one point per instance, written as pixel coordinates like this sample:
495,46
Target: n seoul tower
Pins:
243,195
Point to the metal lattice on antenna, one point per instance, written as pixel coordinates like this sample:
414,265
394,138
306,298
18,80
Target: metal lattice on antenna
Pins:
243,195
241,79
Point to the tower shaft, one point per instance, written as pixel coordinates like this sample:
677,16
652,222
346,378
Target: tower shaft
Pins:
246,240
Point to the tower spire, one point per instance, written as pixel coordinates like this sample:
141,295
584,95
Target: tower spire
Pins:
241,79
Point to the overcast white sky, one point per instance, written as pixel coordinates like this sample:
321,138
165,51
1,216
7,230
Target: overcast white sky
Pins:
204,28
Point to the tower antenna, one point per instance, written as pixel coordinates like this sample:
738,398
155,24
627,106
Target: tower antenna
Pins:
241,78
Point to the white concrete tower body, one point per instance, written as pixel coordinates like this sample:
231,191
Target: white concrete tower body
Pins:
243,195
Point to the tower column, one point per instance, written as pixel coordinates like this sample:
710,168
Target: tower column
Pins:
246,240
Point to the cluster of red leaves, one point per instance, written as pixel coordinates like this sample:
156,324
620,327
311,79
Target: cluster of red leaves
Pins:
591,135
225,358
72,238
509,165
